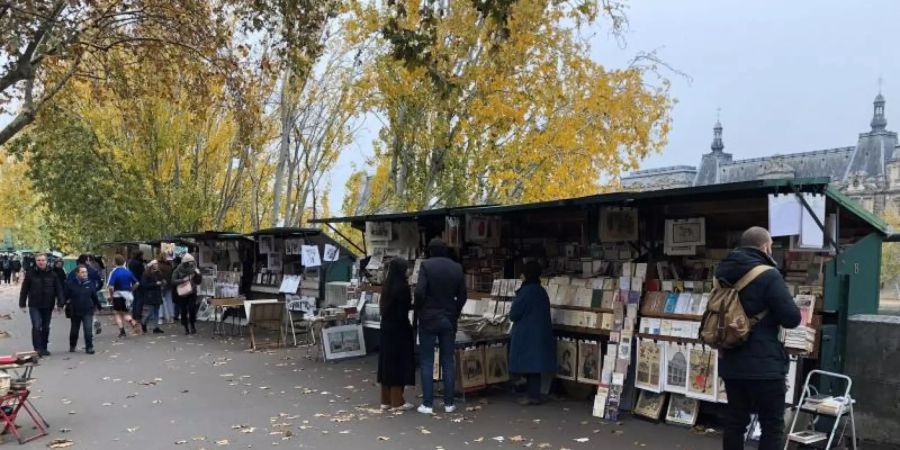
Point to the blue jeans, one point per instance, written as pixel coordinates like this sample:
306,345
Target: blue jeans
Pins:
85,322
150,316
40,327
445,334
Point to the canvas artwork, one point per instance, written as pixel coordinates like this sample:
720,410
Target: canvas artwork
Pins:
686,232
331,253
292,246
702,372
451,231
378,231
682,410
497,363
274,262
618,224
343,341
477,228
676,368
471,367
266,244
310,256
649,369
589,362
650,405
566,359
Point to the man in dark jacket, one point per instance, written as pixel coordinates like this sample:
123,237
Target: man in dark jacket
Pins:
42,290
440,296
755,372
81,298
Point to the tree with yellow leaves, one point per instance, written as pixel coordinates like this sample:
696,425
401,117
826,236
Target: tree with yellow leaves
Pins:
498,101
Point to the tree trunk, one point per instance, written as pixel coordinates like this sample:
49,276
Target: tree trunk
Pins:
284,147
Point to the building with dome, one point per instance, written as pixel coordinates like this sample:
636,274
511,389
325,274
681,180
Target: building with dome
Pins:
868,172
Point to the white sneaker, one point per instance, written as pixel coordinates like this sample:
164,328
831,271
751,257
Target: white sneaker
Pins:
449,409
385,407
404,407
425,409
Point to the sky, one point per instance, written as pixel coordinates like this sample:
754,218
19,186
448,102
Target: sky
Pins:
788,76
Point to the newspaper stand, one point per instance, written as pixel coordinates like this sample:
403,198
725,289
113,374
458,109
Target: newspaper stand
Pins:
841,415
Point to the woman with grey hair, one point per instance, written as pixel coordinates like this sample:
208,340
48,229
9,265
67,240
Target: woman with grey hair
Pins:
186,277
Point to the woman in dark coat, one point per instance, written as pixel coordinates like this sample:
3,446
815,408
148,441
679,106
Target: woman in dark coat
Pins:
396,366
152,285
187,274
532,348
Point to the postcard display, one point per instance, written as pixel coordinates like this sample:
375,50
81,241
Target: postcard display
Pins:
221,267
288,266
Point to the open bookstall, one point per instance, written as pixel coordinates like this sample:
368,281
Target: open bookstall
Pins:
628,276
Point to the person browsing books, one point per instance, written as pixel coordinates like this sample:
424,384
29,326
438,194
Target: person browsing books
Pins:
532,347
755,371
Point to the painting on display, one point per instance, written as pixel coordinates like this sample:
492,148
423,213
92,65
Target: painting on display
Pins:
649,370
497,362
471,367
344,341
589,362
566,359
682,410
618,224
702,372
266,244
378,231
676,368
650,405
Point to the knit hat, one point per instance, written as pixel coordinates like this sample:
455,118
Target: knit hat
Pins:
187,258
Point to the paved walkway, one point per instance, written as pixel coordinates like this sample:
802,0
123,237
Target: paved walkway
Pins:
194,392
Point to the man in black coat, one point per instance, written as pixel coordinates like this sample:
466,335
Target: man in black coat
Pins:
42,290
440,296
755,372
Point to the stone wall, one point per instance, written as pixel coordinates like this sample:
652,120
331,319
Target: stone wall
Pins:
873,362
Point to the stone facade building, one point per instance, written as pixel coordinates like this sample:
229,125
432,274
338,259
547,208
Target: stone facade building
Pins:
868,172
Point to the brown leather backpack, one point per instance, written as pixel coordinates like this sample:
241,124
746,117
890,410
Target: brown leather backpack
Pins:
725,324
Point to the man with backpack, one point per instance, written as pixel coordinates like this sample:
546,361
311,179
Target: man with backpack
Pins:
754,365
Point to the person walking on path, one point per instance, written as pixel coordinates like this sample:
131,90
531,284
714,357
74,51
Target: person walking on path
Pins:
185,278
121,285
59,271
754,372
16,265
41,291
440,297
152,286
81,302
167,308
136,266
532,347
6,265
396,366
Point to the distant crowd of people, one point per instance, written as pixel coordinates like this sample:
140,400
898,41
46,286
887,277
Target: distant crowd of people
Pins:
141,295
10,268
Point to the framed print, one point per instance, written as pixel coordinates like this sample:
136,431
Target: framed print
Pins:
650,405
292,246
566,359
589,362
618,224
649,370
497,362
310,256
477,228
686,232
676,368
378,231
344,341
451,231
274,262
702,372
682,410
471,367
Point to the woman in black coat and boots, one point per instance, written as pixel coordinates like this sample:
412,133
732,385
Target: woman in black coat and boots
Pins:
186,277
396,366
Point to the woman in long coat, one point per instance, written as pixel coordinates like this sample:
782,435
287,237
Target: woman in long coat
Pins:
532,348
396,365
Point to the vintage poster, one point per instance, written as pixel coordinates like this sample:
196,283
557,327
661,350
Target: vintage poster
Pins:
703,365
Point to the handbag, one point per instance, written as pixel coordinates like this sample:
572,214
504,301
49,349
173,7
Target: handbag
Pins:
184,289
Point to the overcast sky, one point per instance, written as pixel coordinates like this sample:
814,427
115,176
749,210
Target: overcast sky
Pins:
789,76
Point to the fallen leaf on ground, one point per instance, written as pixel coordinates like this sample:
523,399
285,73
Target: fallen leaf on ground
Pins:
181,442
383,438
582,440
133,429
516,438
222,442
60,443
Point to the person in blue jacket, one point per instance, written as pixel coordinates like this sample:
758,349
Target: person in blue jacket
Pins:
532,347
81,302
93,274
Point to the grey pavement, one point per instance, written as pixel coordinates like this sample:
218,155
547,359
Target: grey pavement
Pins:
196,392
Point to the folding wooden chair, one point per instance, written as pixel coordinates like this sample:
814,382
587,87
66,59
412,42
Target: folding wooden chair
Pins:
10,405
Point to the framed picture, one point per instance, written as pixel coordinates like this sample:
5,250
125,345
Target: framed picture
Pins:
676,368
497,362
682,410
618,224
566,359
471,367
649,368
266,244
650,405
274,262
378,231
703,365
451,231
343,341
589,362
477,228
686,232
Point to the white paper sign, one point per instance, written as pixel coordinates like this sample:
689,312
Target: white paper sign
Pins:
811,235
784,215
311,257
331,253
289,284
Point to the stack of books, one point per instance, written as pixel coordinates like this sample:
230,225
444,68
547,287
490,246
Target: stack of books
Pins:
808,437
801,338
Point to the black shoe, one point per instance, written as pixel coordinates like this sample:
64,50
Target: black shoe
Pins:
121,332
43,353
89,351
143,328
187,332
193,329
157,331
71,349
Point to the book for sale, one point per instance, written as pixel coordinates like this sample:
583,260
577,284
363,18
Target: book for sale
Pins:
671,303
